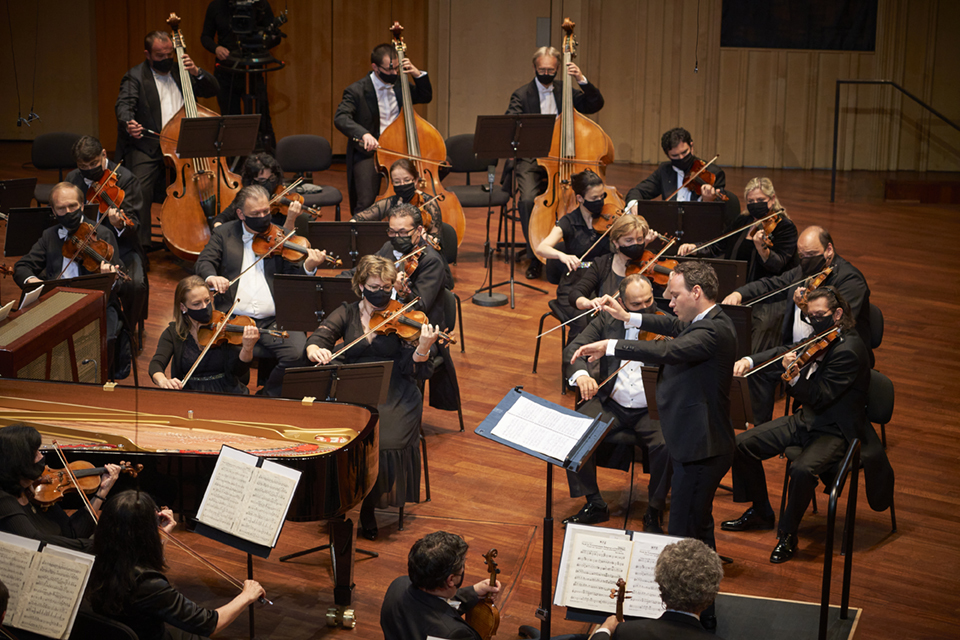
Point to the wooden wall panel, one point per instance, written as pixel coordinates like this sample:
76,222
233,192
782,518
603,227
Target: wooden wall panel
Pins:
945,91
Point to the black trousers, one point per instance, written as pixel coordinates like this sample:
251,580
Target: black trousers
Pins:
290,353
233,86
363,182
694,487
822,451
529,175
134,294
149,170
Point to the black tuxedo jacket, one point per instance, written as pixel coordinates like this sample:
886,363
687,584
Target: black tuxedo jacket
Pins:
129,240
427,282
45,260
603,327
359,111
408,613
223,256
586,98
139,100
663,182
693,387
669,626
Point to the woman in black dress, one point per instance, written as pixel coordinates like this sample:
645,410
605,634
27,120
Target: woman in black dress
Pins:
127,581
223,366
21,462
404,176
398,481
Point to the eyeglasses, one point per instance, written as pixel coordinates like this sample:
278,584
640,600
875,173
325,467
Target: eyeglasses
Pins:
385,287
394,67
403,233
403,182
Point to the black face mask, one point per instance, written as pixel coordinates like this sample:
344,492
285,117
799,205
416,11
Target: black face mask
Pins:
270,184
71,220
377,299
258,225
388,78
595,207
403,245
685,163
405,191
820,324
92,174
758,209
162,66
546,79
35,469
202,315
632,251
812,265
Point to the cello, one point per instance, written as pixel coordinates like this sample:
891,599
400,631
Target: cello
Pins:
410,136
192,198
578,144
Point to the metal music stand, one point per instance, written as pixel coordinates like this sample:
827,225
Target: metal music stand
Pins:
26,225
16,192
688,221
219,137
513,136
303,302
348,240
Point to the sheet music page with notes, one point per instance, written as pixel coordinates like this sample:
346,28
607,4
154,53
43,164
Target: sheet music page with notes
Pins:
541,429
266,505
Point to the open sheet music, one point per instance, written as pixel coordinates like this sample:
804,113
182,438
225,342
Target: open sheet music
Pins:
594,558
247,500
541,429
45,583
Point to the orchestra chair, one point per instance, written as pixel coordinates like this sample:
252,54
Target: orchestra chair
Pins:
93,625
555,312
462,159
451,307
52,151
309,153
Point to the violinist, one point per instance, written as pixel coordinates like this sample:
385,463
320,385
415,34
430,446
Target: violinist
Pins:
263,169
230,254
405,177
832,390
624,398
224,365
398,481
543,95
21,464
418,605
127,582
368,107
150,96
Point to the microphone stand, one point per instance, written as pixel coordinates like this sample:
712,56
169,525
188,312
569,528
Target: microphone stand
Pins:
485,297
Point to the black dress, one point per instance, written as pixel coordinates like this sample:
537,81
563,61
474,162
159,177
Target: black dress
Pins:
52,525
219,371
398,481
577,238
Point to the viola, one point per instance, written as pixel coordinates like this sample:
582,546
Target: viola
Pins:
293,249
108,195
818,346
610,214
484,617
53,484
232,332
657,269
83,246
812,284
697,177
619,593
406,324
285,196
769,225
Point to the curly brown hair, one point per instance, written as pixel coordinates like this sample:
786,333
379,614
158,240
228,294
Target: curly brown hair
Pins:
689,574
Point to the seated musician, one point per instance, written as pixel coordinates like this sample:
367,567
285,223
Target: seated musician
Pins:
624,399
369,106
127,582
430,600
21,464
544,95
816,250
629,237
230,253
832,391
92,164
264,170
223,366
45,260
150,96
398,481
404,176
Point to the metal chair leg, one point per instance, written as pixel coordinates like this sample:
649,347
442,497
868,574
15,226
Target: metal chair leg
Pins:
426,465
463,345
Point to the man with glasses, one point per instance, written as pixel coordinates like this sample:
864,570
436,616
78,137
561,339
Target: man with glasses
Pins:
368,107
230,253
543,95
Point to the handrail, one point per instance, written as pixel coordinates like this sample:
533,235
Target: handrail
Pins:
836,121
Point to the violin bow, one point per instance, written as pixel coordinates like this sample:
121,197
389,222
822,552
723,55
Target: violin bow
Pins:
421,249
802,345
103,186
577,317
7,634
775,212
213,338
265,254
76,484
86,241
693,177
782,289
402,309
293,185
585,253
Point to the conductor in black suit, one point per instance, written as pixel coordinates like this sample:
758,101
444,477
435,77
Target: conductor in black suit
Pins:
543,95
430,600
368,107
693,391
150,96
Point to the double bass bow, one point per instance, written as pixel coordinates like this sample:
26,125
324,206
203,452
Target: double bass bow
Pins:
412,137
484,617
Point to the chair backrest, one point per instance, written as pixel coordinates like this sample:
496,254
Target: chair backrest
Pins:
448,242
880,398
54,151
461,157
449,310
93,625
304,152
876,326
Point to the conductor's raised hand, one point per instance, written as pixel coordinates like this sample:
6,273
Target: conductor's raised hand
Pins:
218,284
592,352
615,309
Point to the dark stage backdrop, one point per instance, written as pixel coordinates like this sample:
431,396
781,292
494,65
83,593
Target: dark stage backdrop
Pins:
839,25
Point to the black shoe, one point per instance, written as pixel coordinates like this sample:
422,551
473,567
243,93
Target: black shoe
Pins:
750,520
785,548
526,631
590,514
369,534
652,521
535,269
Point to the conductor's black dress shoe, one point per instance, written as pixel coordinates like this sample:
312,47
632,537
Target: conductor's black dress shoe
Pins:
590,514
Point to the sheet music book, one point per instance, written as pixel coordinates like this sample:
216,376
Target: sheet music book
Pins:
594,558
248,497
46,584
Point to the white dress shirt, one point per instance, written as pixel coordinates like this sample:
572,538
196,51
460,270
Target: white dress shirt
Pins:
548,102
386,101
684,195
801,329
628,387
69,267
170,97
256,300
636,320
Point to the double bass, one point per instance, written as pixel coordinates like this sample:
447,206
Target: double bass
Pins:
578,144
410,136
192,198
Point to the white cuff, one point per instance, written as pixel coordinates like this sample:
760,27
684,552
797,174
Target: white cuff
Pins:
583,81
750,360
630,205
635,321
577,374
611,347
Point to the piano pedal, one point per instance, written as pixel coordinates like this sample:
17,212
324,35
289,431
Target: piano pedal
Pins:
341,616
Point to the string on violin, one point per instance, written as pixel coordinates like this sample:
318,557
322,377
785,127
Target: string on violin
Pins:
773,215
278,244
803,345
74,481
370,331
89,233
107,194
699,181
213,341
232,329
817,278
406,325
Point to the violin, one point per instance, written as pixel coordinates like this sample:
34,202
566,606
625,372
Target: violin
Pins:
620,594
655,268
293,249
425,218
610,214
83,246
697,177
232,332
407,324
818,346
108,195
812,284
54,484
285,196
769,225
484,617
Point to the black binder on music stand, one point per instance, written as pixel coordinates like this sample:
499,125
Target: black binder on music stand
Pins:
688,221
25,226
302,302
348,240
364,383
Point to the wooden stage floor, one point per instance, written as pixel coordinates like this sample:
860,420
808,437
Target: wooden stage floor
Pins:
906,583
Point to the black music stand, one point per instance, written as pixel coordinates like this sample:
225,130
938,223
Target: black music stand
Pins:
348,240
742,318
303,302
102,282
219,137
16,192
512,136
689,221
25,225
731,274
